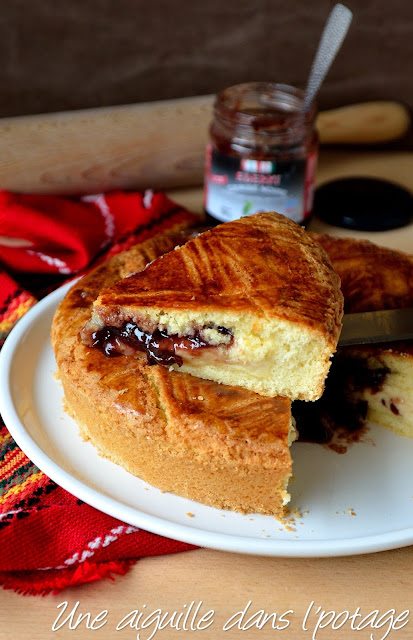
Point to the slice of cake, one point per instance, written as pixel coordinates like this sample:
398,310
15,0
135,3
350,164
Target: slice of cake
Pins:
370,382
220,445
253,303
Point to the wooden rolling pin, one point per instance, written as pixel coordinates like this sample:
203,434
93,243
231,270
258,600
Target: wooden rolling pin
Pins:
154,144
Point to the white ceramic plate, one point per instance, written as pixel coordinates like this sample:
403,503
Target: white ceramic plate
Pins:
358,502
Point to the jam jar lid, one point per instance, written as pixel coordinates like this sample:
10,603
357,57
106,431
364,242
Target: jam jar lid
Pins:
364,204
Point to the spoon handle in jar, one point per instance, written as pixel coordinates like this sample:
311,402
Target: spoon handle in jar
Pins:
334,32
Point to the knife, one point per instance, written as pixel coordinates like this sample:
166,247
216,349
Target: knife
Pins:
376,326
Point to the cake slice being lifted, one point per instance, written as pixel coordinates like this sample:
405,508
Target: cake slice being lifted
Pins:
253,303
223,446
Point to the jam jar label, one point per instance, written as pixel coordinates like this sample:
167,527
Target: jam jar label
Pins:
236,187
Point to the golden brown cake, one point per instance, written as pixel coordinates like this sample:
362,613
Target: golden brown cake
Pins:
373,382
220,445
253,303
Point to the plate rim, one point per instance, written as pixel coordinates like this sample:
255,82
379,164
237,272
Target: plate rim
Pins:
160,526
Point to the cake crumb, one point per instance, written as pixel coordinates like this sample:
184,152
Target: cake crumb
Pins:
351,511
190,515
290,519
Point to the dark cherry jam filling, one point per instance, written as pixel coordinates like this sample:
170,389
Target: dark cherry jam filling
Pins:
337,412
158,346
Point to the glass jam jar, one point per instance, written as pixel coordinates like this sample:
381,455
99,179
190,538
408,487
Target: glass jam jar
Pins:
262,153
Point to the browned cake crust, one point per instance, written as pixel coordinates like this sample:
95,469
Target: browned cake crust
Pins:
373,278
264,263
222,446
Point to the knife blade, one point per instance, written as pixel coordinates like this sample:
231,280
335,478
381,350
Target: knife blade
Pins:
372,327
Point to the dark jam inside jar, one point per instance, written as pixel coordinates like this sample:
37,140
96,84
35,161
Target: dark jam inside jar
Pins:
262,153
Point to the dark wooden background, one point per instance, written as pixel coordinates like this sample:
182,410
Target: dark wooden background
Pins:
70,54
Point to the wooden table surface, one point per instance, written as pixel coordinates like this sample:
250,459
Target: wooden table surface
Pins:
225,583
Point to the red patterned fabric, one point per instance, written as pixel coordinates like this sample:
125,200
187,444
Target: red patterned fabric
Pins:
48,538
